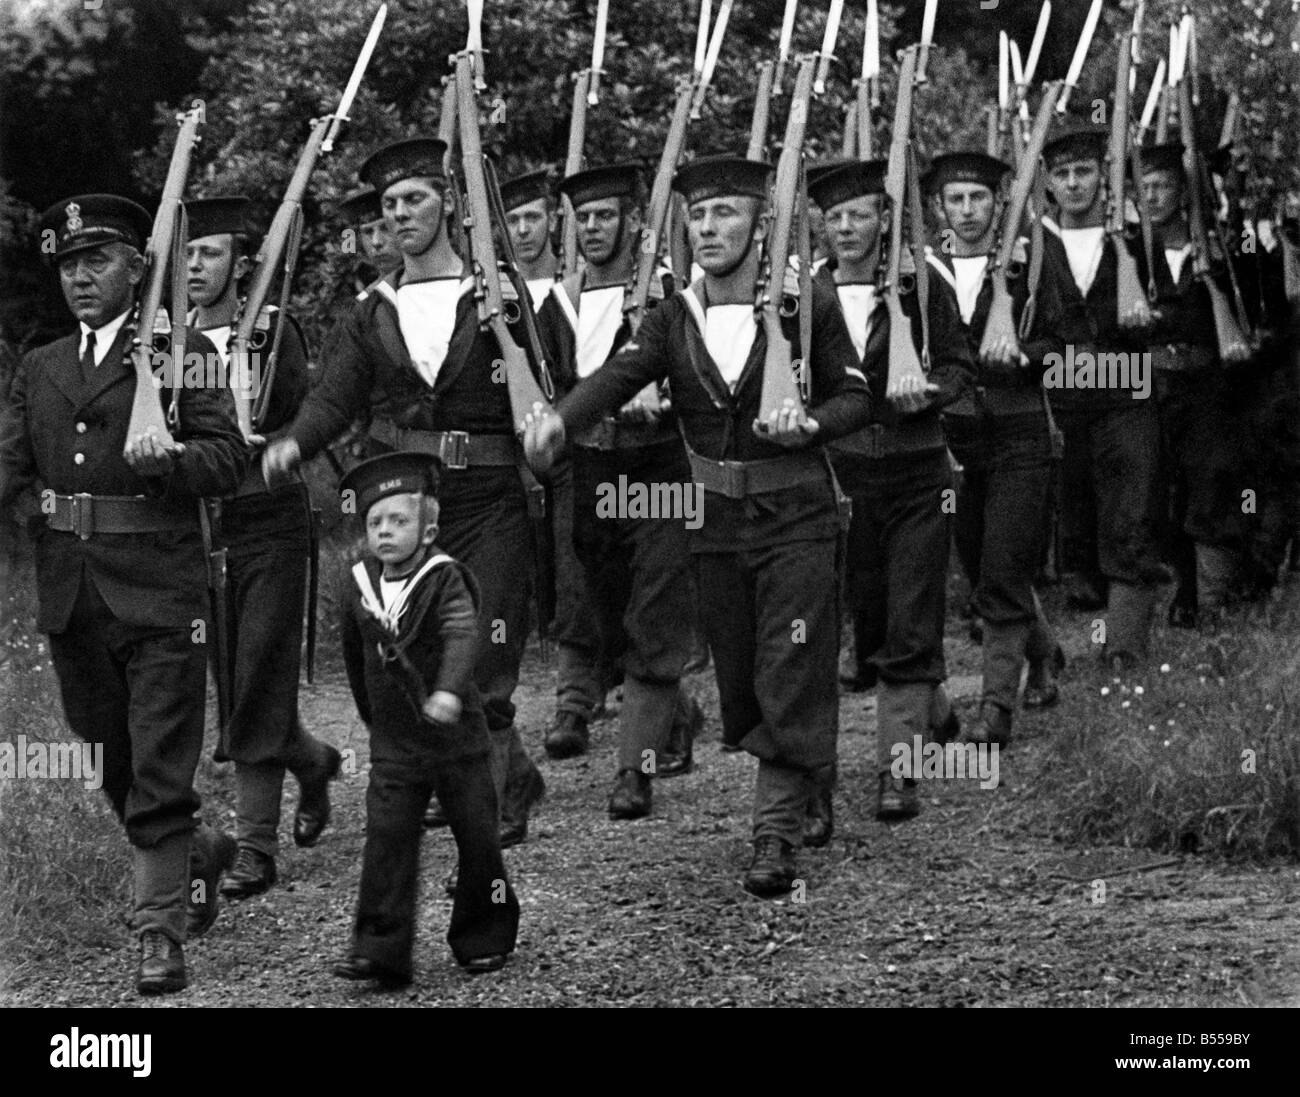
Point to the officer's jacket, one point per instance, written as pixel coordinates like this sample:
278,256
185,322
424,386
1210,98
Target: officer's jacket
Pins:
66,437
717,423
435,649
951,368
368,369
1005,391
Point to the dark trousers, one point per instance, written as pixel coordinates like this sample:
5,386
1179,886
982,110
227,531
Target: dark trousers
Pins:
772,618
637,569
141,692
1118,450
581,675
484,524
485,912
897,561
1000,527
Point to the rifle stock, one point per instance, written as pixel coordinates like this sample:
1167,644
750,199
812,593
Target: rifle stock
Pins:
1232,342
779,384
522,385
903,359
1132,311
1000,332
146,409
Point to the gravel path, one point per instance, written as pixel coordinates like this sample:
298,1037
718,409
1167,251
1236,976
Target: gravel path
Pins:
966,905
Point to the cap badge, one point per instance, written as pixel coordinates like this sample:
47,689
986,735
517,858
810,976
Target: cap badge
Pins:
75,223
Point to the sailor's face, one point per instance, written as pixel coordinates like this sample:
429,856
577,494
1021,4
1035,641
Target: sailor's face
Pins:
722,230
208,263
415,213
378,245
600,229
98,283
1075,184
530,229
853,228
1163,193
968,209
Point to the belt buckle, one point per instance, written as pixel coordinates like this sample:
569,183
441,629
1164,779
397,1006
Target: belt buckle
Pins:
453,449
606,433
83,515
735,479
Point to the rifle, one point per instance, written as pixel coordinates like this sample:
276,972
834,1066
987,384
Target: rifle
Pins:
524,388
1133,311
1000,335
762,115
903,359
1233,345
447,135
280,247
784,380
166,244
572,165
636,297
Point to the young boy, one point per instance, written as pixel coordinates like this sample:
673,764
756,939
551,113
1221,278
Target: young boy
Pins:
409,640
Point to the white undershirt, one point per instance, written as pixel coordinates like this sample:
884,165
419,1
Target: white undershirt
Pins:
389,589
600,313
1176,257
103,337
426,313
538,288
858,302
1083,248
220,337
729,332
968,270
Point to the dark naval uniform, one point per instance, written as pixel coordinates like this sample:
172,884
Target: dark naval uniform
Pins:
1003,437
636,569
896,471
391,670
767,554
267,536
120,566
1111,434
466,417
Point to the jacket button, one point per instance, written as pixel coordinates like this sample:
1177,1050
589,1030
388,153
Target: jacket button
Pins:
81,428
78,458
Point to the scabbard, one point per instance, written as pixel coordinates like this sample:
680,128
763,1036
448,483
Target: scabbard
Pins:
219,621
313,588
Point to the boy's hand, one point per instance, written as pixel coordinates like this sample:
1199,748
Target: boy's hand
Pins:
442,707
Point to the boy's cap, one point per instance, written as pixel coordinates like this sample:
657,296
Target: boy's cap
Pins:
526,188
1074,140
1166,157
229,213
416,157
967,166
400,473
607,181
361,206
722,177
847,180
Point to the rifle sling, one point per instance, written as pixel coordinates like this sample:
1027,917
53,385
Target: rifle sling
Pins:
263,398
180,297
922,275
803,378
1035,263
